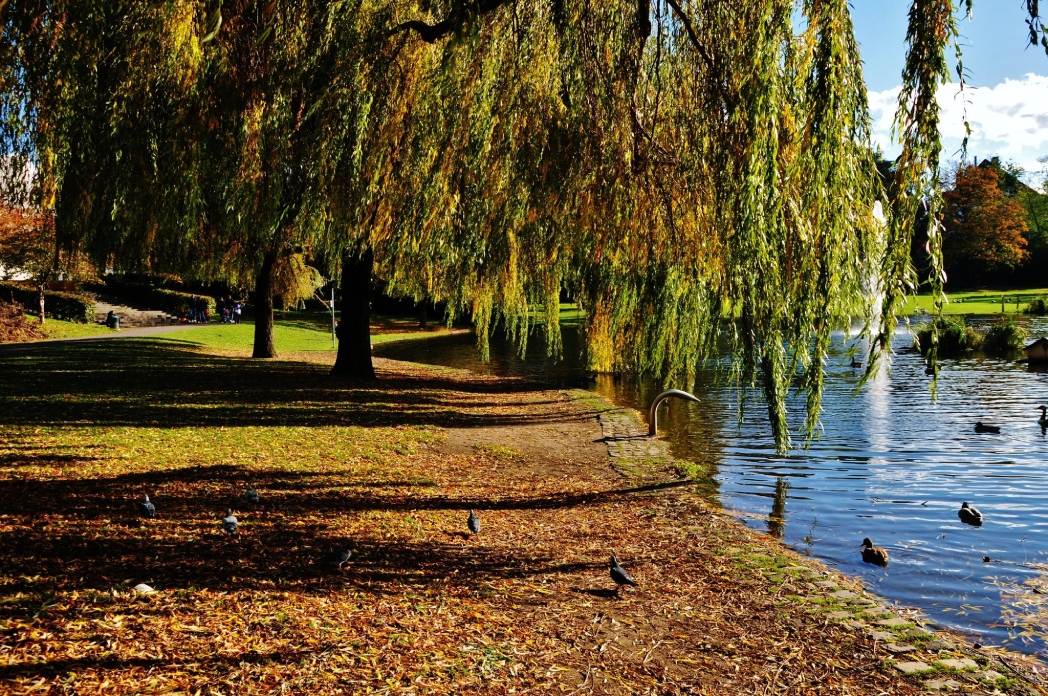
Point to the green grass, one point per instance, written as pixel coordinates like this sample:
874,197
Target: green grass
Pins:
298,333
976,302
56,329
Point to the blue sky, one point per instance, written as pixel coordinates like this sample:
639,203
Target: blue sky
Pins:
1008,105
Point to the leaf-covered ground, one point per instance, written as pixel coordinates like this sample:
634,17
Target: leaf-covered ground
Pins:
389,469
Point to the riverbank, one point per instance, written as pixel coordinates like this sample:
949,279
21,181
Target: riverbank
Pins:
976,302
388,468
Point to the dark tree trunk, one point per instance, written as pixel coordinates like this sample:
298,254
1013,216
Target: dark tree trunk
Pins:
423,315
354,327
264,346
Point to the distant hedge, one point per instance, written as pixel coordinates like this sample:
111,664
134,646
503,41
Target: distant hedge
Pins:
170,301
60,305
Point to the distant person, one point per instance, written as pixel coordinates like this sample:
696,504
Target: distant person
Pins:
112,320
236,312
193,309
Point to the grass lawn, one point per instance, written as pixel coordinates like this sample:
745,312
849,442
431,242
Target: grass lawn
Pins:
57,329
387,469
977,302
294,334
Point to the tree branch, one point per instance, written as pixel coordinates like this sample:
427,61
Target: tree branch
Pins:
690,28
431,33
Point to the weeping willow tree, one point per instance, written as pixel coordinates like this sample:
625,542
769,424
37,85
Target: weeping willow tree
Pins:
688,170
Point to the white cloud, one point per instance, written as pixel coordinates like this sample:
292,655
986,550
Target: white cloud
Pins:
1009,120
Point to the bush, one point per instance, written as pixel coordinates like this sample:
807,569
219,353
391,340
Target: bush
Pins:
60,305
1038,306
955,337
170,301
1004,337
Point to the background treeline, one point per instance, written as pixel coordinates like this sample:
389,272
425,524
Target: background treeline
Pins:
995,228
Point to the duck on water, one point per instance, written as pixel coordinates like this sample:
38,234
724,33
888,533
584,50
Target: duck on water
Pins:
874,554
970,515
981,427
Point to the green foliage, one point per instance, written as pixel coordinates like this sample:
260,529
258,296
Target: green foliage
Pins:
1038,306
170,301
1004,337
956,337
61,305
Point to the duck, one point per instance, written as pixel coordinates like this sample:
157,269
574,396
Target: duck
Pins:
981,427
1043,420
856,362
970,515
874,554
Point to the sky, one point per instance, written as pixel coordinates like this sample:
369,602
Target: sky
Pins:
1006,97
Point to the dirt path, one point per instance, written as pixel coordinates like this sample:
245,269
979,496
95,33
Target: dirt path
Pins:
388,469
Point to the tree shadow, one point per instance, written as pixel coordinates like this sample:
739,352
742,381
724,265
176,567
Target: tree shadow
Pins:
143,382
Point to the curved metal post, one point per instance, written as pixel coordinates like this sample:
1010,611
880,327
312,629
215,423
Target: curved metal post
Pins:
653,412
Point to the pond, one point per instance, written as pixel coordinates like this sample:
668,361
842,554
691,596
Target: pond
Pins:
890,463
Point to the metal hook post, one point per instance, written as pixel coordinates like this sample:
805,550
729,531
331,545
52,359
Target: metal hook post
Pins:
653,417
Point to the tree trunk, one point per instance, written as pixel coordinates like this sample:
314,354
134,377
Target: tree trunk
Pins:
264,346
423,315
41,299
354,328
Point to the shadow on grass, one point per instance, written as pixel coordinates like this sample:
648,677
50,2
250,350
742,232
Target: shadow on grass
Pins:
134,382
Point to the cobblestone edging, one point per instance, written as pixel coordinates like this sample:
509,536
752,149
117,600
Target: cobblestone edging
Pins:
626,437
916,648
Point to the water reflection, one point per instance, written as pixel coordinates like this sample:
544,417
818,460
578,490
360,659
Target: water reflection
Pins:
777,516
890,463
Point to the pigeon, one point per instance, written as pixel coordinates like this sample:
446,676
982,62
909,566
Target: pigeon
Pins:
970,515
146,508
341,556
874,554
619,574
473,522
980,427
251,496
229,522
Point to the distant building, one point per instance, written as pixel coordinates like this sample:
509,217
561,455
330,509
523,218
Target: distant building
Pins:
1037,351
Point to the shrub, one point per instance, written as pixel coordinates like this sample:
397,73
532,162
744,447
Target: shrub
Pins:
1004,337
955,337
60,305
170,301
1037,306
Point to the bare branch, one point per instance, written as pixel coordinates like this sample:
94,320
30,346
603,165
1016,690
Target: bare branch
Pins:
690,28
431,33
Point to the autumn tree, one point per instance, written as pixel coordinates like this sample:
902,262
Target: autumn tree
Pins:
984,228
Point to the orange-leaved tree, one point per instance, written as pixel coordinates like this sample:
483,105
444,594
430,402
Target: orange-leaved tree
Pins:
985,229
